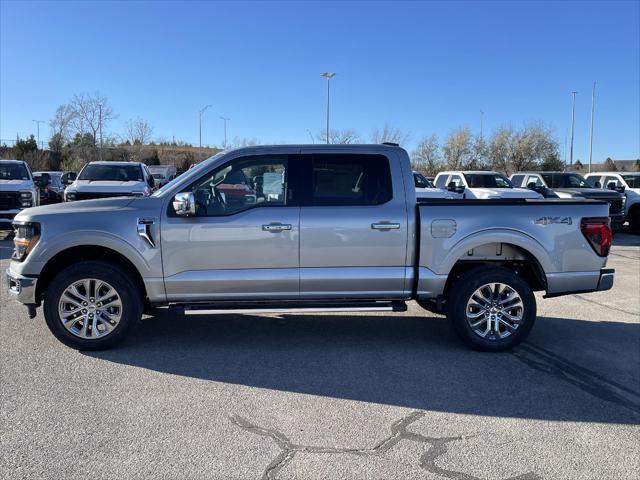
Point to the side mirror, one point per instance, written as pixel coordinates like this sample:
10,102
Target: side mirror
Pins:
597,185
620,188
611,186
531,185
453,187
68,178
184,204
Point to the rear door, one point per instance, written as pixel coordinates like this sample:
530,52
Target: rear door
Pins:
353,226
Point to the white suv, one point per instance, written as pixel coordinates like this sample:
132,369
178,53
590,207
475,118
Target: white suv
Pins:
625,183
482,185
110,179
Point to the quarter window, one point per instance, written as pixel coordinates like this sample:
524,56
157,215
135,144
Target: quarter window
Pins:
350,180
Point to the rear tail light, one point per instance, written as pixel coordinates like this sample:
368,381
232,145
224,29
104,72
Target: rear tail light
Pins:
597,231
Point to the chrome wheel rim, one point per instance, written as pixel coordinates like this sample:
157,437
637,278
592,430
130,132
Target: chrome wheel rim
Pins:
90,308
494,311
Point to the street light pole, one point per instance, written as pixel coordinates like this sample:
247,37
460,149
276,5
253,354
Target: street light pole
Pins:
481,119
593,106
573,123
200,127
100,128
225,119
328,76
38,122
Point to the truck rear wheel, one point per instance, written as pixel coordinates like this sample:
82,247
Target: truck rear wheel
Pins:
92,305
491,308
634,220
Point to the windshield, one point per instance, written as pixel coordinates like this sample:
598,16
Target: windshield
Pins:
13,171
487,180
421,181
632,180
564,180
191,173
111,173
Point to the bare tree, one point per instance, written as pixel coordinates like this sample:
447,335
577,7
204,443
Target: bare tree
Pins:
532,147
348,135
244,142
60,127
426,158
501,148
91,113
457,149
389,134
138,131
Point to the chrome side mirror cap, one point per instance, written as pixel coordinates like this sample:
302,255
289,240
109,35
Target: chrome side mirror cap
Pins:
184,204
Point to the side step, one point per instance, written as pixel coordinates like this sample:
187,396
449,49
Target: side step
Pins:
227,308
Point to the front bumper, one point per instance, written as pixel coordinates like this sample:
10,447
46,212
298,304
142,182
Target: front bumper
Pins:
617,220
21,288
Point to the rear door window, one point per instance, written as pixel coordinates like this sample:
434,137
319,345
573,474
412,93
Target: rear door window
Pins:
517,180
441,181
349,179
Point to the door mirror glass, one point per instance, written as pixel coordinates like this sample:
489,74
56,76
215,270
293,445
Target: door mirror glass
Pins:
184,204
68,178
454,187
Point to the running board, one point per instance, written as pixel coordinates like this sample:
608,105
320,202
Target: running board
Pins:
226,309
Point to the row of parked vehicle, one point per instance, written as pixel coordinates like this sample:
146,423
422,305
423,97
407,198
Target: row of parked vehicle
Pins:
21,188
621,190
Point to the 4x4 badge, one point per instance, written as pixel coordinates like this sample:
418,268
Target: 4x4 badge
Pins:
553,220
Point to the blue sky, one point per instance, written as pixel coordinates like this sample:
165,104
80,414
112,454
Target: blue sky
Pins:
423,67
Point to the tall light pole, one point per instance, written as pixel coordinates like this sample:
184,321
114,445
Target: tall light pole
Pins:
100,128
200,126
573,123
481,119
38,122
225,120
593,106
328,76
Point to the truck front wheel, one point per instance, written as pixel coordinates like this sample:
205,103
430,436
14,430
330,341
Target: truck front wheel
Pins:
92,305
491,308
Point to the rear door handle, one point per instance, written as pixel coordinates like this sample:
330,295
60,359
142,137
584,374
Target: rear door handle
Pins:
385,226
276,227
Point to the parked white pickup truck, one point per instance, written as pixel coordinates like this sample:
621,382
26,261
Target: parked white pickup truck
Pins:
326,228
482,185
18,190
110,179
627,183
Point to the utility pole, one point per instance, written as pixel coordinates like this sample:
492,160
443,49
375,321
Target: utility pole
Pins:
100,128
593,106
328,76
573,123
200,128
225,119
481,119
38,122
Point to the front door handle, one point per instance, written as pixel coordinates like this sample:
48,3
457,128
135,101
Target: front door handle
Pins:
276,227
385,226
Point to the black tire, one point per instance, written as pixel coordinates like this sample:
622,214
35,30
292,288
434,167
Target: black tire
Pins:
464,288
634,221
119,279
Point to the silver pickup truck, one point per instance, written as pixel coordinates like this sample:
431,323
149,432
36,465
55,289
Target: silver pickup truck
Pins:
333,228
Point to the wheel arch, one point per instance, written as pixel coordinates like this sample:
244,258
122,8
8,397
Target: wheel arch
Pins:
81,253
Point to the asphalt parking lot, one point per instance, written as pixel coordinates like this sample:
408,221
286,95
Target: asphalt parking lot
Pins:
323,396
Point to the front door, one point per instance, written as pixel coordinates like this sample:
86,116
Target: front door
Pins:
353,227
243,242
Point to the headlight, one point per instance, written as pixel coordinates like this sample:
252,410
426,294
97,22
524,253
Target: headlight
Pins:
69,196
25,239
138,194
26,195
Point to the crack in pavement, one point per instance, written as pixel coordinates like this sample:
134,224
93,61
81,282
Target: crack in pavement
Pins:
399,432
606,306
586,380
